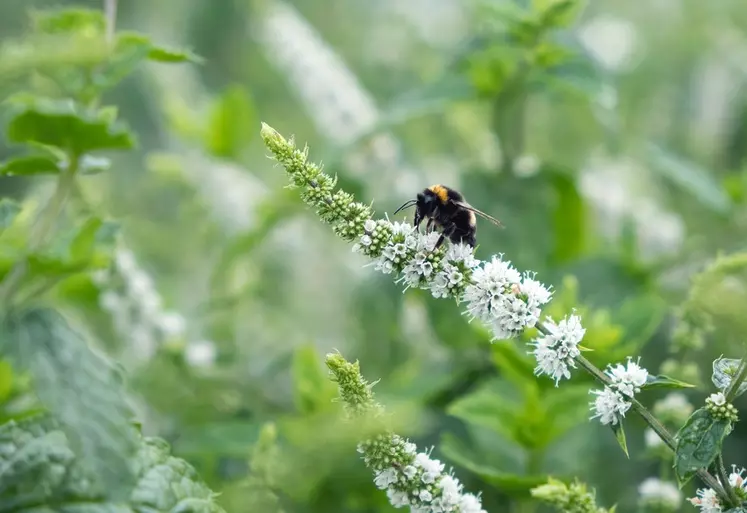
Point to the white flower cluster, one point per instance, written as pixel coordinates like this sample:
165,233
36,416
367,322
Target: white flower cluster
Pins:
415,479
659,495
495,292
129,295
611,403
555,351
504,299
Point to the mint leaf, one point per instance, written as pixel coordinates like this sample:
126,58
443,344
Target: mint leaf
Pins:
30,165
66,125
698,443
82,391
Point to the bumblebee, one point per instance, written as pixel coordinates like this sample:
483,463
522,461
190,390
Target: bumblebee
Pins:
447,211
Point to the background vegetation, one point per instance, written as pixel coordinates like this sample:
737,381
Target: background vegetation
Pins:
609,138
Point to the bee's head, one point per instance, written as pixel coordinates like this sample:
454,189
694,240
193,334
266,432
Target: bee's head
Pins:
427,202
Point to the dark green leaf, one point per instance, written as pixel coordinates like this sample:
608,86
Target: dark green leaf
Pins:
313,391
619,431
724,370
509,483
161,54
9,209
699,182
30,165
227,438
66,125
698,443
662,381
81,389
232,123
42,473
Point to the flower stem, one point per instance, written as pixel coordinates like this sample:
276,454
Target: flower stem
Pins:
652,421
724,478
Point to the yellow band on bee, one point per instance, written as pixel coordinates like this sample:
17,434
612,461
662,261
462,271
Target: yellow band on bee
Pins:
440,192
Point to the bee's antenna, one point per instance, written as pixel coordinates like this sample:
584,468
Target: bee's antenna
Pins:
407,204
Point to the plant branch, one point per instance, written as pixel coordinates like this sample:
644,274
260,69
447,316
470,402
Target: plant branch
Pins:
724,478
649,418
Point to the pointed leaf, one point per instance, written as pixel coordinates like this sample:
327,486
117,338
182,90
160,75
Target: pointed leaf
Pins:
698,443
69,21
724,370
9,209
162,54
231,123
663,381
65,125
620,437
30,165
81,389
700,183
313,391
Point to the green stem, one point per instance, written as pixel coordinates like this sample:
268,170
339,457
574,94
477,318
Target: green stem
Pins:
42,229
647,416
724,477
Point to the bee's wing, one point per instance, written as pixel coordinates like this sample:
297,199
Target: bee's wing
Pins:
481,214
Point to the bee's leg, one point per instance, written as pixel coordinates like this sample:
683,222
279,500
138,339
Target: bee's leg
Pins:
448,231
429,226
417,219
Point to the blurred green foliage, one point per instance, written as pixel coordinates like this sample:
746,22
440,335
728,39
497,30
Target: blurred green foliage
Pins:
274,290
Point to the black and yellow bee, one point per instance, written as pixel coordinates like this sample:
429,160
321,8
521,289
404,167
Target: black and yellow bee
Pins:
446,210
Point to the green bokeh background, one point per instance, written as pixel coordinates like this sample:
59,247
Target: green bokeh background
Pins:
276,290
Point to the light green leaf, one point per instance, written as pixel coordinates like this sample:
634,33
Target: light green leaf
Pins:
69,21
30,165
620,437
232,123
81,389
662,381
9,209
698,443
699,182
6,380
90,165
313,390
162,54
724,370
66,125
557,13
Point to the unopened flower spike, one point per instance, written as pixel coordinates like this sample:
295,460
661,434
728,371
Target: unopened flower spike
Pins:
410,478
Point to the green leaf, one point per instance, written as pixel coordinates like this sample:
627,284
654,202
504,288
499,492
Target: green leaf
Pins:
724,370
569,218
493,406
89,246
30,165
232,122
42,473
9,209
620,437
558,13
82,391
313,391
226,438
90,165
699,182
67,21
162,54
66,125
663,381
698,443
509,483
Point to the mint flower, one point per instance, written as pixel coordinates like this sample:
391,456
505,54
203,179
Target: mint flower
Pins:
609,406
628,379
706,500
556,350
